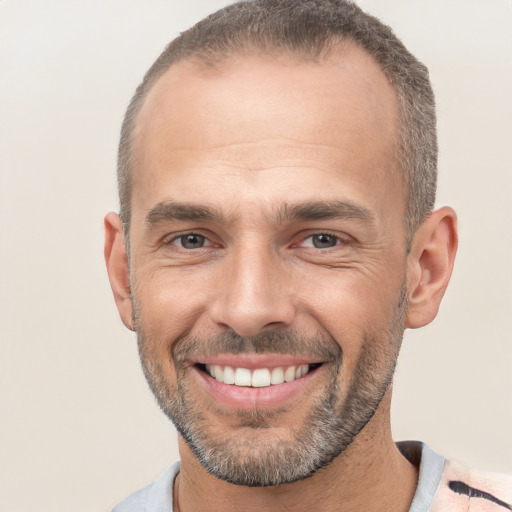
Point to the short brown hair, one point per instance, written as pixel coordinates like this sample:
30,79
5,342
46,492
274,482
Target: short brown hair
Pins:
311,29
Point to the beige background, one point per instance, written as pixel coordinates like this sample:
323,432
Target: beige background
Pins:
78,428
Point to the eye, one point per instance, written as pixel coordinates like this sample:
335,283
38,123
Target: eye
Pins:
321,241
191,241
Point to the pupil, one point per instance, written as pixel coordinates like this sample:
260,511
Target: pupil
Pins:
323,241
192,241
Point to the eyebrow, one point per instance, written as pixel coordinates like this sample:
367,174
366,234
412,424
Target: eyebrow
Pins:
323,210
169,210
307,211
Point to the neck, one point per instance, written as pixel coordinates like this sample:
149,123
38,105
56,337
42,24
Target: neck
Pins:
371,474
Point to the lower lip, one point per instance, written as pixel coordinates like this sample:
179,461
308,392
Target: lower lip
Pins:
242,397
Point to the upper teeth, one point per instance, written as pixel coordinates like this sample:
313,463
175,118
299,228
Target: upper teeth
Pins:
262,377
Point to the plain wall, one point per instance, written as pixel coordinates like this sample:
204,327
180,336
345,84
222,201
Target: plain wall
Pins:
79,429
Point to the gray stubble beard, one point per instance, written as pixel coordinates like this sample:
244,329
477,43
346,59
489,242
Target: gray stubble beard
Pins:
238,455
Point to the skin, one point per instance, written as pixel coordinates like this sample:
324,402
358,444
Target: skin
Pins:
246,140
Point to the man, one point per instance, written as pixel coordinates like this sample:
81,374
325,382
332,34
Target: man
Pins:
277,173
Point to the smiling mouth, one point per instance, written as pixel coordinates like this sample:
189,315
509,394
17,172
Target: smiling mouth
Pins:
259,377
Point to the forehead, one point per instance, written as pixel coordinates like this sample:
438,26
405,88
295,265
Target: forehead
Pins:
251,113
347,83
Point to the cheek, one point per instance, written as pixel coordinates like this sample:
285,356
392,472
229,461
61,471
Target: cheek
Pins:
349,298
168,303
353,309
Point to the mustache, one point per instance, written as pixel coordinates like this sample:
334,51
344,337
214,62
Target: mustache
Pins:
319,347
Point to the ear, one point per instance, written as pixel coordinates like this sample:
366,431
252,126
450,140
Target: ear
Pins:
117,267
430,264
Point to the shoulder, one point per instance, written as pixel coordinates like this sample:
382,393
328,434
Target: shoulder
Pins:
464,489
449,486
155,497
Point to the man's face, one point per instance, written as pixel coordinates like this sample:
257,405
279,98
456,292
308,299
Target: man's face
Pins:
268,250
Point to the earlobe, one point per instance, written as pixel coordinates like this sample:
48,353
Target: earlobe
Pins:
430,264
117,267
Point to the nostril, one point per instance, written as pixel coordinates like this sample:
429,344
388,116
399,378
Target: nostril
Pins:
276,324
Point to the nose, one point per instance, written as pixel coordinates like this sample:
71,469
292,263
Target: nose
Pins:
254,294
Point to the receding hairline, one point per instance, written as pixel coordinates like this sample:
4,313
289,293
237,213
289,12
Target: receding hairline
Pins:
338,52
338,55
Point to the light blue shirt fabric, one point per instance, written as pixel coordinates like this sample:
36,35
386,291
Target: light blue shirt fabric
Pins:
157,497
431,467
